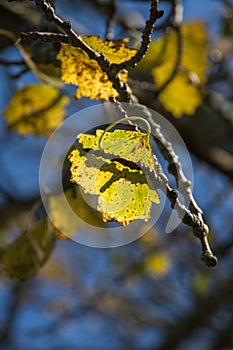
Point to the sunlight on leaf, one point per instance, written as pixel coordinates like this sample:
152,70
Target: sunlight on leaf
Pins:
182,95
36,109
78,69
158,264
24,256
133,146
123,192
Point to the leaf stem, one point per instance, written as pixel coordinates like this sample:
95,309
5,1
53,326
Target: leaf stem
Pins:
126,119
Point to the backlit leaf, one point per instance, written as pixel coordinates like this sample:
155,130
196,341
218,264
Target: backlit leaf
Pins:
36,109
78,69
133,146
181,95
123,192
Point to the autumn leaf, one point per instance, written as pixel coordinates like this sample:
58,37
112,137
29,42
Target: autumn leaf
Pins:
133,146
78,69
180,96
123,192
36,109
66,227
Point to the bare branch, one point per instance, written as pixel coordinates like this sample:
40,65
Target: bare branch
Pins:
111,20
146,37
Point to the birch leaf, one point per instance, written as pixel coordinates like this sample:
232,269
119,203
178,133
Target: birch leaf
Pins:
122,190
36,109
24,256
78,69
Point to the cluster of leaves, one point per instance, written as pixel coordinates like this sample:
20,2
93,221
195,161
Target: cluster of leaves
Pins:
179,72
107,164
123,192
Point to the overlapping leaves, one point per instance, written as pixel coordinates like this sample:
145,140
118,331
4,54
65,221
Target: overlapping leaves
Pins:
109,172
78,69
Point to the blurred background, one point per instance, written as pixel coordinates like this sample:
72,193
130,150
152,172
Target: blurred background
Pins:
152,294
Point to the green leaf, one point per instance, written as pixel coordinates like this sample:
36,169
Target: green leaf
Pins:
36,109
24,256
123,192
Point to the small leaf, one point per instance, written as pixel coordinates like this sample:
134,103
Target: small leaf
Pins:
180,96
157,264
123,192
78,69
36,109
24,256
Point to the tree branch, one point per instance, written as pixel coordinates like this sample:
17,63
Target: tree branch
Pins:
77,41
191,214
146,37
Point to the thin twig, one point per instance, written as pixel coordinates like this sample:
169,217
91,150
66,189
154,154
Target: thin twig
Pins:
190,213
167,20
146,37
13,308
111,20
195,221
20,73
194,218
77,41
120,110
177,13
176,25
12,63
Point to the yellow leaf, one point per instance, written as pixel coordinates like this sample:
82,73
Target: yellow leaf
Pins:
181,95
194,56
123,192
78,69
158,264
165,49
36,109
65,225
